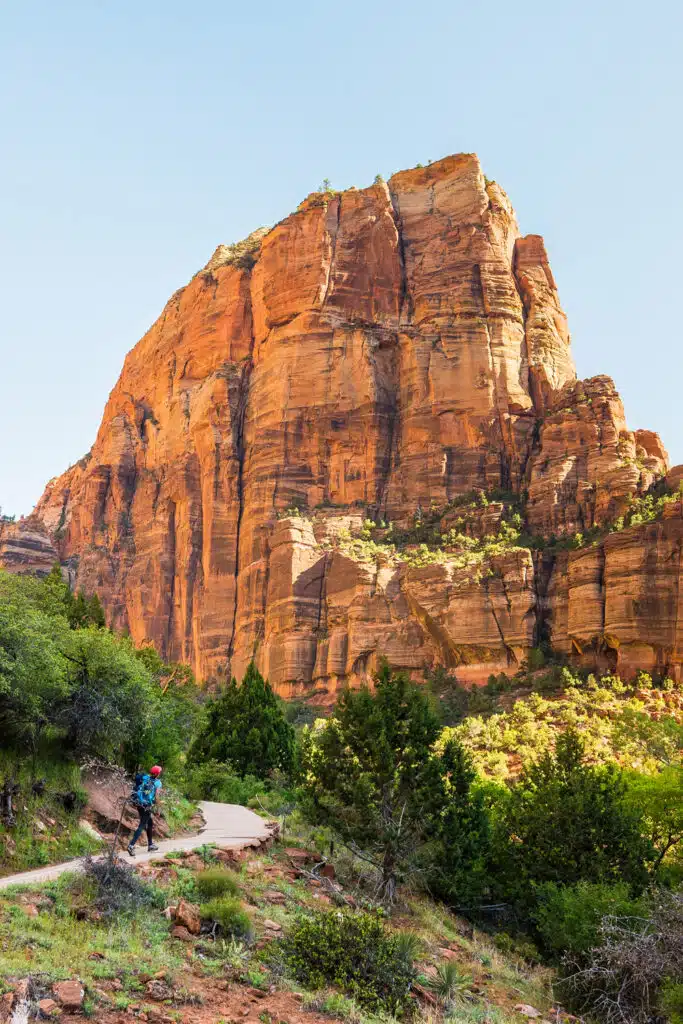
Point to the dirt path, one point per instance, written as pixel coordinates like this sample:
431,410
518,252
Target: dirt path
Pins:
229,826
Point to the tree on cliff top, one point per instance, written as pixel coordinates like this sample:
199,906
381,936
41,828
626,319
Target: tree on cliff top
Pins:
245,728
371,774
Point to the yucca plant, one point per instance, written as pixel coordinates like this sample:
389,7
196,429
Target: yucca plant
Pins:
448,984
408,946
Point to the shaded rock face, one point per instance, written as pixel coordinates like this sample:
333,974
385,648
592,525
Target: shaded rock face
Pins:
619,604
26,546
378,351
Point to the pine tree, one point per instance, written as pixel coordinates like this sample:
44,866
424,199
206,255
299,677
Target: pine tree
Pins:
457,868
246,729
568,821
371,775
95,612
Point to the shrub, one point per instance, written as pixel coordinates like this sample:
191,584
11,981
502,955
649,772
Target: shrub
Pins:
638,965
216,780
567,821
568,917
216,882
229,914
354,953
115,888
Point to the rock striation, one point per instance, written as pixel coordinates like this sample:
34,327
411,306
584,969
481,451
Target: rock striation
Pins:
377,353
26,546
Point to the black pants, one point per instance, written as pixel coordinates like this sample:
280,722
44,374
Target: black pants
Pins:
146,824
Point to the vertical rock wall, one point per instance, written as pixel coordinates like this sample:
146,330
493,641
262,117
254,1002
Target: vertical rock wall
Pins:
377,352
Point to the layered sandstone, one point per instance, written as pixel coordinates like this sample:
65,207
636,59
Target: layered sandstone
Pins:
26,547
588,465
378,352
618,604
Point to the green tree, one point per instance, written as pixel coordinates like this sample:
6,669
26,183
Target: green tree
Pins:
84,611
659,798
370,773
33,673
110,696
567,821
245,728
457,867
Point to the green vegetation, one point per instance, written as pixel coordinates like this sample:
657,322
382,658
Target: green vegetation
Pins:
566,822
569,917
245,729
216,881
355,953
227,912
547,804
72,690
372,775
614,719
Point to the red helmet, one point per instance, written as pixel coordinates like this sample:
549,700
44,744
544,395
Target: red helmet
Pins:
156,770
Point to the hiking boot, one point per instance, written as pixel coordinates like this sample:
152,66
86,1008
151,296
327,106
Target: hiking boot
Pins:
131,850
152,847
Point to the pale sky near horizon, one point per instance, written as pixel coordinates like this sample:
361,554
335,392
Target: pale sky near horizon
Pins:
135,137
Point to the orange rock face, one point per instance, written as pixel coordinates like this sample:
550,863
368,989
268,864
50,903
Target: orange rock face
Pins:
588,465
378,352
618,604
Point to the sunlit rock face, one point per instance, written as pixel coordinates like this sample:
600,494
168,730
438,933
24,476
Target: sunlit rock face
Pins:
377,352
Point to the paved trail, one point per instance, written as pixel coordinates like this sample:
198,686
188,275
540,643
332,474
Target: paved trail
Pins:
229,826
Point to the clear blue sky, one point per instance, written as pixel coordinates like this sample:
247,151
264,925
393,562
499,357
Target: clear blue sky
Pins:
137,136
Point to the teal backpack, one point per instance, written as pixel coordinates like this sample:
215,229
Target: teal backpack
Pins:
144,791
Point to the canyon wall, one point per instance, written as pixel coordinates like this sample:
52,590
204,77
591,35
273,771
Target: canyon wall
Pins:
376,354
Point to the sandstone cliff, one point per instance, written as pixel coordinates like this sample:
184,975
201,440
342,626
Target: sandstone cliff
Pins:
26,547
378,353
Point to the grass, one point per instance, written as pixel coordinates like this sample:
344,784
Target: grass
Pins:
216,882
341,1007
58,945
44,832
229,914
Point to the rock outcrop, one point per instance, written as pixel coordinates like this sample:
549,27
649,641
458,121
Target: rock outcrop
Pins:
377,353
588,464
618,604
26,546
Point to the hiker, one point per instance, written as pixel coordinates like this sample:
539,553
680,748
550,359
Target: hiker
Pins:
144,798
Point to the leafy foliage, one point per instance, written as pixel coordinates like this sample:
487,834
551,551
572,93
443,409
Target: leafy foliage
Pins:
86,685
567,821
569,917
353,952
457,866
615,719
246,728
371,775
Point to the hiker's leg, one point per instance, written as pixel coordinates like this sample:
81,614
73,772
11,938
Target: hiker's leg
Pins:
150,828
139,830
